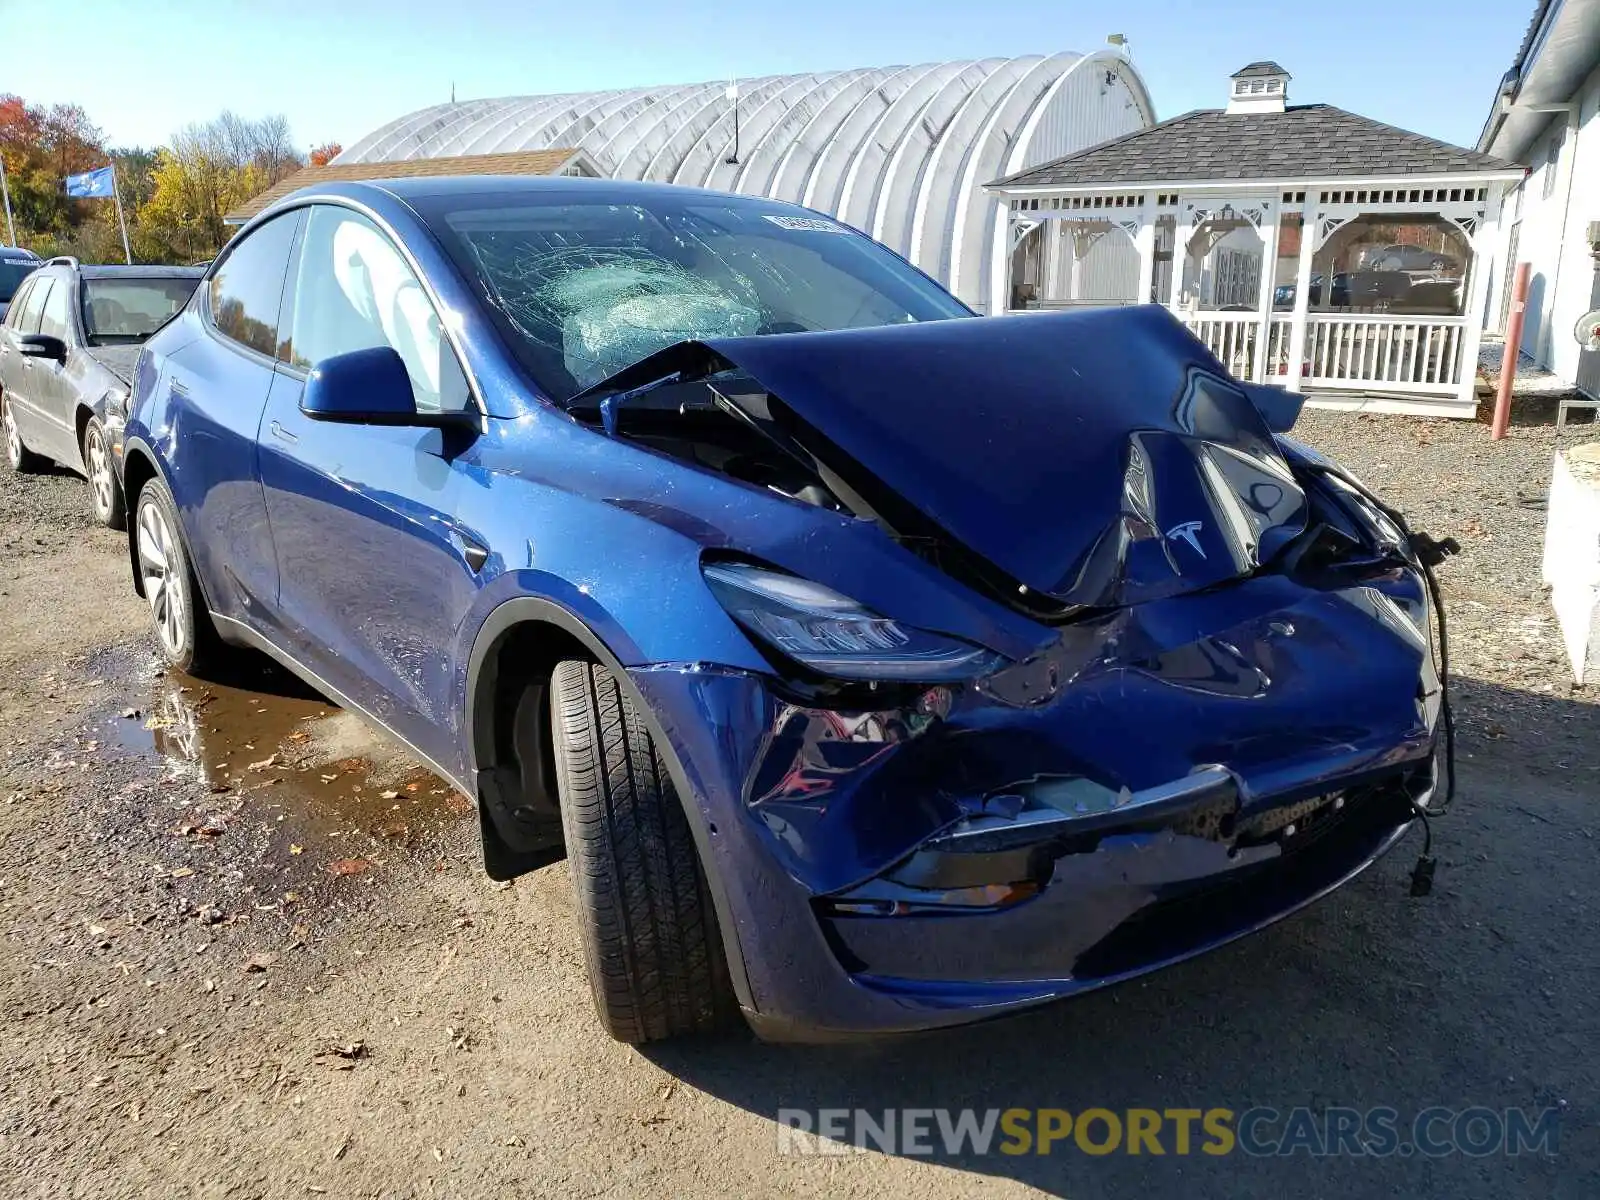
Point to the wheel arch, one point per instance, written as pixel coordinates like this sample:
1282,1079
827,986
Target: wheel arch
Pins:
138,468
520,638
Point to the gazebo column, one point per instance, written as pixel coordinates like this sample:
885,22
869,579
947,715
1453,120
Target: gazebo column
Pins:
1050,260
1485,239
1270,225
1302,296
1180,254
1145,243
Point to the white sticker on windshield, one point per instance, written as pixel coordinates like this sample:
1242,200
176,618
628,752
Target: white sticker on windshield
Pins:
808,224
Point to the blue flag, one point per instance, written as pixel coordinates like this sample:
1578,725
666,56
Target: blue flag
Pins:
92,184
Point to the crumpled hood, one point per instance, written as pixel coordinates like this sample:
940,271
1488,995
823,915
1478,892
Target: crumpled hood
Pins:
1100,457
119,360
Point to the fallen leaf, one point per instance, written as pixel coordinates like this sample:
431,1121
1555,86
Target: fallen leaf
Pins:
349,866
294,849
389,795
458,804
299,735
438,1154
328,778
265,764
181,872
260,962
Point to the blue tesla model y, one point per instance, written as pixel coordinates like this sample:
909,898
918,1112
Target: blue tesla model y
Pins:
876,666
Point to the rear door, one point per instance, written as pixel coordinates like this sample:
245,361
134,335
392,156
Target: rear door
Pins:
376,566
12,364
213,391
23,374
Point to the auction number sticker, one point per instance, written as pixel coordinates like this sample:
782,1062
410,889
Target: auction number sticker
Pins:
807,224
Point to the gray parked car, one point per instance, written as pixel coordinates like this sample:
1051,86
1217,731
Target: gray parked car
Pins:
16,264
67,352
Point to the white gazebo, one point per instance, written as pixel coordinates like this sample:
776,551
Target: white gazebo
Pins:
1305,245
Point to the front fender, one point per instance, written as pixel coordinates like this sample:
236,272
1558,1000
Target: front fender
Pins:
583,624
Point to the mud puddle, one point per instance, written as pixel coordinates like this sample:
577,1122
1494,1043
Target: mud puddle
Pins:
299,786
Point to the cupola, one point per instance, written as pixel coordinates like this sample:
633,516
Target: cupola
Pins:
1261,87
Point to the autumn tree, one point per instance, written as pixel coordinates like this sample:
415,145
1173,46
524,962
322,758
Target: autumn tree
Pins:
42,144
210,168
324,154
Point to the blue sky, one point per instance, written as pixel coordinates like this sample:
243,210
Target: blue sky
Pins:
340,68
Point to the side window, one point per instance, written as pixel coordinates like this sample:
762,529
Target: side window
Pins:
14,314
355,292
55,317
244,294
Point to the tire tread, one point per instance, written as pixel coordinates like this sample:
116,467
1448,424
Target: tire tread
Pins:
650,934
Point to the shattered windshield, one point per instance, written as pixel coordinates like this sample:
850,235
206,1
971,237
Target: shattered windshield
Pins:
586,289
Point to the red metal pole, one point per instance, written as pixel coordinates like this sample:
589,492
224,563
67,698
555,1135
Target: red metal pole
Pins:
1508,363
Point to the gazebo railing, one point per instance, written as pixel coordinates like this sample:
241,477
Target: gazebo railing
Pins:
1231,336
1413,354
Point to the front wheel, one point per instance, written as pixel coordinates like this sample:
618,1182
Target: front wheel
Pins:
183,627
654,954
105,489
17,455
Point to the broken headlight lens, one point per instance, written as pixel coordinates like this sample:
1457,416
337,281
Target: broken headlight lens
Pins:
834,635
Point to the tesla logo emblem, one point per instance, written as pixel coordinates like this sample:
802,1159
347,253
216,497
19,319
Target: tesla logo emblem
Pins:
1187,532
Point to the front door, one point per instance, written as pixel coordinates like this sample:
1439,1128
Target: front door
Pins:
215,389
376,569
48,388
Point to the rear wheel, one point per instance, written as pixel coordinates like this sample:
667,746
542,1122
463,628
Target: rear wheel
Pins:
650,938
18,455
184,630
105,489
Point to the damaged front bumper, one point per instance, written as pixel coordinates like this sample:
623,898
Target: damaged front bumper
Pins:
1157,782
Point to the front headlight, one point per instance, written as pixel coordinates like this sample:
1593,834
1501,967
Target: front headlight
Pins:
834,635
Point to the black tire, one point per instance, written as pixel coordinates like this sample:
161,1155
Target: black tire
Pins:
22,460
650,937
105,489
187,638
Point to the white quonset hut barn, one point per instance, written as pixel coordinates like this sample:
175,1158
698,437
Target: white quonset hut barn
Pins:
899,152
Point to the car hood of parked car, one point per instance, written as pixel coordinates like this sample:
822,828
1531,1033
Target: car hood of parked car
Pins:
119,360
1097,458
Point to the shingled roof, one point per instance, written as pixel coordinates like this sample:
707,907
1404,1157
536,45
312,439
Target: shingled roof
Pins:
526,162
1264,67
1304,141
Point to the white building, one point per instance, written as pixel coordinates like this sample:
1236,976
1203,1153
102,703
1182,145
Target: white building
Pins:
1306,246
901,153
1544,115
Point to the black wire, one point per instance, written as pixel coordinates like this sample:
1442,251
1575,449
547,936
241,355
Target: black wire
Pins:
1446,719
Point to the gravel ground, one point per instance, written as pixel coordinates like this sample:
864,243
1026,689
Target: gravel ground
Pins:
248,950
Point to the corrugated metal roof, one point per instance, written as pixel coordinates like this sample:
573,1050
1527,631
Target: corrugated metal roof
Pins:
523,162
900,152
1305,141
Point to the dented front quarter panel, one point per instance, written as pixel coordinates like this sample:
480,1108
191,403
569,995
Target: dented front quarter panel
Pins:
1297,692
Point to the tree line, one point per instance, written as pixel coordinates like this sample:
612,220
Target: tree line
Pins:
173,197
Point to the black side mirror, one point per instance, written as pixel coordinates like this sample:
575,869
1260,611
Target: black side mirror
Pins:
42,345
370,387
